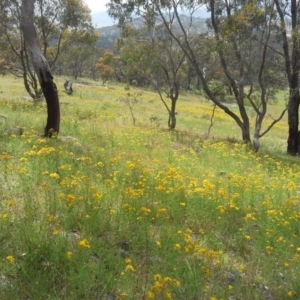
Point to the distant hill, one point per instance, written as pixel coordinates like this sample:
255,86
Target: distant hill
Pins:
102,19
109,34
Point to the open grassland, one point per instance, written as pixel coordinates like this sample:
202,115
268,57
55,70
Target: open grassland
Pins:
112,211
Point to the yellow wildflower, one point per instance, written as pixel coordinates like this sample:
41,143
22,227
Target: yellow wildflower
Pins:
150,295
10,259
177,247
70,199
54,175
55,232
4,216
22,170
51,218
100,164
128,261
84,243
66,167
157,277
290,293
11,203
130,268
131,165
145,210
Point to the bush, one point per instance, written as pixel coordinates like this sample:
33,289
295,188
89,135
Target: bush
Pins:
218,89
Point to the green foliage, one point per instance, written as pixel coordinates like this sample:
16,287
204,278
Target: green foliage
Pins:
218,89
108,65
236,50
80,52
55,21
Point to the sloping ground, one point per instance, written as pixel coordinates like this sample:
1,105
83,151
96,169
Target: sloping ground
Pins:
112,211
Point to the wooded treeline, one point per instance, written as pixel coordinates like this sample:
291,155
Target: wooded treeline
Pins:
248,51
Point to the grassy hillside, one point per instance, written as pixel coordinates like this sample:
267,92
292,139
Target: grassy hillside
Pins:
112,211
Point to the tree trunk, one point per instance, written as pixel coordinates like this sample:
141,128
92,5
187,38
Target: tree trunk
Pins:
29,77
174,94
172,114
41,67
293,106
246,133
293,121
245,124
256,142
292,67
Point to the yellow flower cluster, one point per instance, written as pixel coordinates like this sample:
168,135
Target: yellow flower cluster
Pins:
162,286
84,243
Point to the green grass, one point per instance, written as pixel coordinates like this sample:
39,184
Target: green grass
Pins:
111,211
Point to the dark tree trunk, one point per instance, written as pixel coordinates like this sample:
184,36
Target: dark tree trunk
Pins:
246,133
41,67
246,123
51,95
293,106
174,94
292,67
293,121
172,115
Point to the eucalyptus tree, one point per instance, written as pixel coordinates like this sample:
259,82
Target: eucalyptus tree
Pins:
108,66
91,63
41,67
154,56
53,19
239,35
81,48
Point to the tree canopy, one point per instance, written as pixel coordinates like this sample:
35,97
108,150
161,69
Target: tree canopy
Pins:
54,21
240,49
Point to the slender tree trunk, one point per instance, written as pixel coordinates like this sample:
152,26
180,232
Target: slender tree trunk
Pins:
246,133
245,124
41,67
256,141
172,115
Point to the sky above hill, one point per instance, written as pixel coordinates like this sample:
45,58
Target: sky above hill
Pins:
96,5
101,18
99,14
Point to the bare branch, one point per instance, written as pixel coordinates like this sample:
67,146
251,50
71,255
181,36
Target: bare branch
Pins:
211,120
273,123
